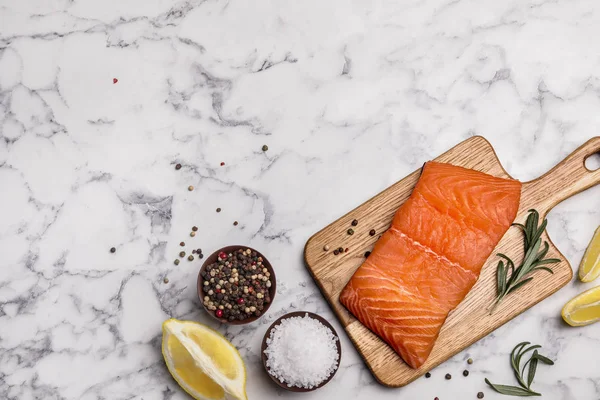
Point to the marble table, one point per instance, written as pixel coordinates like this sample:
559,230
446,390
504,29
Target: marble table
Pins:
99,100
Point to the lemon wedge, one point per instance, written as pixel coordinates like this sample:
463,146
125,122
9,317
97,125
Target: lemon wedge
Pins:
590,265
583,309
203,362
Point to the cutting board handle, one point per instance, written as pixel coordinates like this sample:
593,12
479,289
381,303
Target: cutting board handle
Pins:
565,180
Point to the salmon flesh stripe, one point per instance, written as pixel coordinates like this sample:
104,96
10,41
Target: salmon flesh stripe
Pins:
430,258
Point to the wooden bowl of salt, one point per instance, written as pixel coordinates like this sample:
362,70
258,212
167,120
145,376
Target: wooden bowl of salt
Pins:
302,343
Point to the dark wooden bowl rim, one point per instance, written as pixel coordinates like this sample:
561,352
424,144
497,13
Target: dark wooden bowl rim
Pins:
264,347
213,258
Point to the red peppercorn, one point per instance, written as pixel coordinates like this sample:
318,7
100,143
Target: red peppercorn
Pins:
115,80
222,163
253,262
219,313
240,301
222,255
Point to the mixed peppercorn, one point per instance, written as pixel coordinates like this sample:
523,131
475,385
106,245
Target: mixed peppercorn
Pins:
236,286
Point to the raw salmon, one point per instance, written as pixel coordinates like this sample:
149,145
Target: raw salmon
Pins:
429,259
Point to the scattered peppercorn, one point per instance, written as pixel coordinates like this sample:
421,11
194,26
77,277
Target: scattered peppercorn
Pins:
448,376
219,209
336,252
190,188
166,280
115,80
354,222
326,247
191,257
222,163
112,249
372,232
182,244
178,167
235,223
176,262
346,250
465,373
192,233
470,361
367,254
350,231
199,251
195,228
480,395
437,398
182,254
427,375
200,255
265,147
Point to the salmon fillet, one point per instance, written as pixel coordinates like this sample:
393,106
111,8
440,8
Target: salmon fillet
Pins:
430,258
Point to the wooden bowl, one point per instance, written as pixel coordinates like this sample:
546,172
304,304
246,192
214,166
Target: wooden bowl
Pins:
264,347
213,258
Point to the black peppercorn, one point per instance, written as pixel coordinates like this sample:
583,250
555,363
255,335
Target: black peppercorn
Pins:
480,395
427,375
336,252
372,232
194,228
182,244
178,166
367,254
112,249
465,373
219,209
448,376
354,222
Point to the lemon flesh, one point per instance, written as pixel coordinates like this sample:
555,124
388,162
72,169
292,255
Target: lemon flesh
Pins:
583,309
203,362
590,264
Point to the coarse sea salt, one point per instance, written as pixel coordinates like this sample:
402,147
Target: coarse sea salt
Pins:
301,352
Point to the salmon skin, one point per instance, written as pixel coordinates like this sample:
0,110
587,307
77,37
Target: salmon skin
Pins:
430,258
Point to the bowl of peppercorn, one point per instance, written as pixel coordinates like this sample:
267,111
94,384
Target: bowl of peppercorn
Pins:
236,285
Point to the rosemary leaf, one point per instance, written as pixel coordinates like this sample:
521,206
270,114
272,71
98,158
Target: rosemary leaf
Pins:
511,390
533,362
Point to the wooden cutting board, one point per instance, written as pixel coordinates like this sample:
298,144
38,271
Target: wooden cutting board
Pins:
470,321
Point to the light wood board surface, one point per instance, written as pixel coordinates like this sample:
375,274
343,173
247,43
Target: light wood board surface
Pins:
471,320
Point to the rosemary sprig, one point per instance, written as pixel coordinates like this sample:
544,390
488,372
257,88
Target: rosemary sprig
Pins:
510,278
515,360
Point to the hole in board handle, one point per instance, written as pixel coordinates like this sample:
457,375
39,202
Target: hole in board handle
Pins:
592,163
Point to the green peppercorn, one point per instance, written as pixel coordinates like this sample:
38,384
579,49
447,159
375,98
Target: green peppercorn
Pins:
265,148
176,262
350,231
191,257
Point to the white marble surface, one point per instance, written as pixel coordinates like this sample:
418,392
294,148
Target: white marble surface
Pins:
349,97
